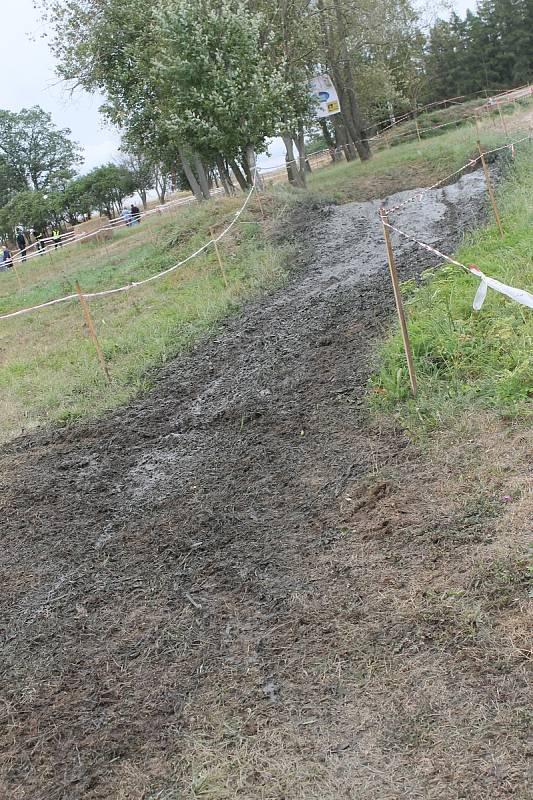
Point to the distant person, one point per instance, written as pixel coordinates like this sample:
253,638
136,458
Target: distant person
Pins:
21,243
126,216
6,262
39,244
56,238
135,215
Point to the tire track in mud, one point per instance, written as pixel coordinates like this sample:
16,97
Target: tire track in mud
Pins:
149,552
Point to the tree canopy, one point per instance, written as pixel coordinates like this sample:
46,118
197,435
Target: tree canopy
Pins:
34,153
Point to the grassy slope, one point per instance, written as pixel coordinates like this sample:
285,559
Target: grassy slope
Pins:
463,356
406,166
49,371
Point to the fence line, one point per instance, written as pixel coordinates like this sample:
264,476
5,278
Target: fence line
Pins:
70,237
135,284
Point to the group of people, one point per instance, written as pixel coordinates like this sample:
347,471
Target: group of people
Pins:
131,216
7,258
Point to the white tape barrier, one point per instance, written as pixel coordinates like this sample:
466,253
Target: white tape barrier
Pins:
521,296
419,196
134,284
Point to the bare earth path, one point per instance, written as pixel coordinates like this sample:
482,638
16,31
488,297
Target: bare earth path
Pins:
236,588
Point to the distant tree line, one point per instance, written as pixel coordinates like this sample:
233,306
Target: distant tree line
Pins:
489,49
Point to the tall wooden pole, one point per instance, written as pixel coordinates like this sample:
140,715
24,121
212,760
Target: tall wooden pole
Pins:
399,303
17,274
90,326
418,130
258,193
219,259
490,190
502,120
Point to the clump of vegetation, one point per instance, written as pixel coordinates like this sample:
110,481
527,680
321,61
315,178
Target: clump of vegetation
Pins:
463,356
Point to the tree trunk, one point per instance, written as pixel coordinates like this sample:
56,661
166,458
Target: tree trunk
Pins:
225,169
256,178
161,186
202,176
351,113
305,166
328,138
222,172
144,199
246,169
189,174
238,174
341,138
298,177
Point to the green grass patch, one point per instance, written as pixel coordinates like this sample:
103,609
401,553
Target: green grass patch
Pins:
49,371
406,166
462,357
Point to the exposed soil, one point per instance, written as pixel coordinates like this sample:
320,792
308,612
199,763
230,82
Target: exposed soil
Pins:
238,587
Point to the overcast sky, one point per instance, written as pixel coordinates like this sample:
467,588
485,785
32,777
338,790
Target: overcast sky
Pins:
27,78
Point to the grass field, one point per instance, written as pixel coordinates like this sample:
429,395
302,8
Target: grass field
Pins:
406,166
49,371
463,356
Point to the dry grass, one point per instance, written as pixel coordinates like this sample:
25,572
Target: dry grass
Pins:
403,671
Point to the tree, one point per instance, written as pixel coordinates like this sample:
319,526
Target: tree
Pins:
36,154
31,208
107,186
78,200
142,172
230,98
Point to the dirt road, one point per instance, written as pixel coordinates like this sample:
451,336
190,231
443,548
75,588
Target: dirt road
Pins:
234,587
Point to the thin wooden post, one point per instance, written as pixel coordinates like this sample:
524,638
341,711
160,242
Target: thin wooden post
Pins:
17,275
502,120
387,140
399,303
490,189
220,264
418,130
260,203
477,123
89,323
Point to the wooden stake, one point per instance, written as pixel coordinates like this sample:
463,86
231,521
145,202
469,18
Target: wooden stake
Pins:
260,204
399,303
502,120
17,274
418,131
489,188
477,123
220,264
89,323
387,140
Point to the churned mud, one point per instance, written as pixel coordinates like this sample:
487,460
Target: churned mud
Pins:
236,587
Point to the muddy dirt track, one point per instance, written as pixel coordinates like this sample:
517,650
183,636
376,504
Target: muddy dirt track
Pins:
224,591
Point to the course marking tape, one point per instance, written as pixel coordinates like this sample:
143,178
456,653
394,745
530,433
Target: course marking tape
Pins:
521,296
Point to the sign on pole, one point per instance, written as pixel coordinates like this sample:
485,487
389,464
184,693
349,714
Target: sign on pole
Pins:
323,89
